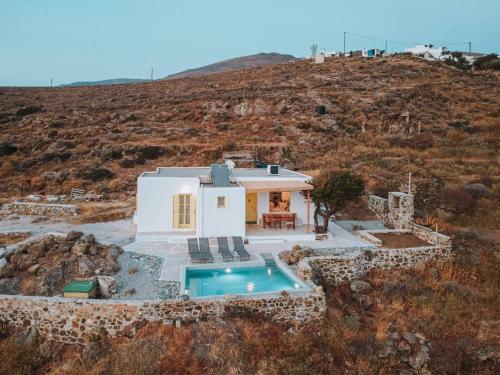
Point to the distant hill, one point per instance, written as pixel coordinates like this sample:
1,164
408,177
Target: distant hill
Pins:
244,62
114,81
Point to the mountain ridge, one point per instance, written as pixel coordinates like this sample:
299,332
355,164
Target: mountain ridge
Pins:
236,63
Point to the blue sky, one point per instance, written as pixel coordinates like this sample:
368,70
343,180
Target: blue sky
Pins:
80,40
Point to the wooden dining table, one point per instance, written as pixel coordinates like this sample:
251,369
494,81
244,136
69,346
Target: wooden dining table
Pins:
279,217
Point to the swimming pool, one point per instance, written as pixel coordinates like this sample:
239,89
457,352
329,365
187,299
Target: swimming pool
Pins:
201,282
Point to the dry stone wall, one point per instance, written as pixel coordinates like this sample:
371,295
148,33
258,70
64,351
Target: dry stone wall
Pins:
379,206
75,320
42,209
338,269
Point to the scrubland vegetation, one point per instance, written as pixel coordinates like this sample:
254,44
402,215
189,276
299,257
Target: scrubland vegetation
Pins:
382,118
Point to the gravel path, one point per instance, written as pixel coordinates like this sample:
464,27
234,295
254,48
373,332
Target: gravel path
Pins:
144,283
119,232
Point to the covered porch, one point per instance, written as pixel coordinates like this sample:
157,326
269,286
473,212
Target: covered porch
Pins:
278,210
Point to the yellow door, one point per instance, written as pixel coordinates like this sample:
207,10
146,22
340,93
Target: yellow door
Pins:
251,209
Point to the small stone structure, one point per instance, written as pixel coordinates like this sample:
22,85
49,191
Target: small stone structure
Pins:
70,320
42,209
397,210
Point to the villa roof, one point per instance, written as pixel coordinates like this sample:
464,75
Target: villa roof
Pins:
275,185
190,172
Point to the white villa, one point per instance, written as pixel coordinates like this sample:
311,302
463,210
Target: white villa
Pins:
260,204
428,51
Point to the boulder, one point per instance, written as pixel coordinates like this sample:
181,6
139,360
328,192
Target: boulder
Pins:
360,286
37,248
88,238
114,252
73,235
7,149
86,267
477,190
9,285
3,263
80,247
92,249
34,268
307,250
107,286
410,337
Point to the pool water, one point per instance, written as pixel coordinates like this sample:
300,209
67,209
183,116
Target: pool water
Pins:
239,280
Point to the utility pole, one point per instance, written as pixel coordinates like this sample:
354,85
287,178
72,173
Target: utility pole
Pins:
386,46
51,82
470,47
344,43
151,75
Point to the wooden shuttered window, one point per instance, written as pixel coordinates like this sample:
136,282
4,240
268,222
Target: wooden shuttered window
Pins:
184,209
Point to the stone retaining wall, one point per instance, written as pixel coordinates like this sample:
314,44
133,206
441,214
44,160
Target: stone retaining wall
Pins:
43,209
338,269
428,235
75,320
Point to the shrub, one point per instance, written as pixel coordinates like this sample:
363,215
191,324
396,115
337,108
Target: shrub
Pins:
490,61
150,152
459,201
28,110
303,125
421,141
228,146
382,189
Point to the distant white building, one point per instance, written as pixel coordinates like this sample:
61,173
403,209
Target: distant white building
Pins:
319,58
373,52
428,52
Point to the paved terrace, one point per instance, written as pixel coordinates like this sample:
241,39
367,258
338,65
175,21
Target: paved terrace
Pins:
176,255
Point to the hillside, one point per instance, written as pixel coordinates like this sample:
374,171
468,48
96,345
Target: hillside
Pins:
238,63
113,81
351,112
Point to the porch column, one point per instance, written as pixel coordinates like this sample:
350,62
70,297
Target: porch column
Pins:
308,209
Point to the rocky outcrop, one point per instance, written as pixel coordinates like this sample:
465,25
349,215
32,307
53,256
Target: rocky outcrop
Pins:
45,265
296,254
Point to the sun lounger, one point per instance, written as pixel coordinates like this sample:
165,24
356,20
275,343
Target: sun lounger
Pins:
227,255
205,250
239,248
194,251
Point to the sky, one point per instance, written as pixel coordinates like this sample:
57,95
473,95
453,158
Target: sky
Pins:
87,40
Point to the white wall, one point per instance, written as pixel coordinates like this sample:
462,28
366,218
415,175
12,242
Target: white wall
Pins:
228,221
155,201
298,204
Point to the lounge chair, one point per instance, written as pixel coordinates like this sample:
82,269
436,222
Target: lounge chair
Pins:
239,248
205,250
194,251
227,255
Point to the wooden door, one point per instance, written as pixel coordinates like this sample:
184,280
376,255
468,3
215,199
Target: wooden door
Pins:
251,208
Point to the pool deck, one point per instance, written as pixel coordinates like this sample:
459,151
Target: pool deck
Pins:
175,255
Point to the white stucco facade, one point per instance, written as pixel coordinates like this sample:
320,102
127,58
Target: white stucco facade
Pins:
222,221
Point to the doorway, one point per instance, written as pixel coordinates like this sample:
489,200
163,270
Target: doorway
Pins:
251,208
